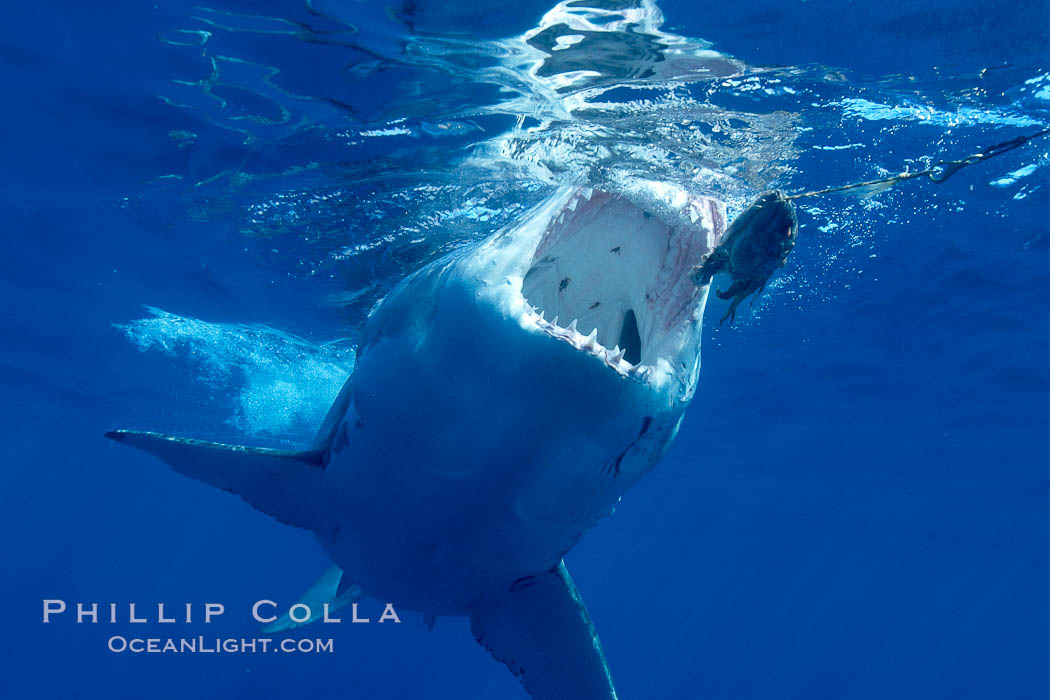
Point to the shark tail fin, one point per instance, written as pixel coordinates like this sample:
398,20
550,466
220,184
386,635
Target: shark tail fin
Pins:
333,589
279,483
541,631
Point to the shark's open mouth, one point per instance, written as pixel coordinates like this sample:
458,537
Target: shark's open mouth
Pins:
612,278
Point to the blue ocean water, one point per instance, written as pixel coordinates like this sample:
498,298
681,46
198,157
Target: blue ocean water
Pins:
200,204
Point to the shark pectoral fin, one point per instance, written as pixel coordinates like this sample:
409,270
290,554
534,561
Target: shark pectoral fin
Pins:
282,484
542,632
332,590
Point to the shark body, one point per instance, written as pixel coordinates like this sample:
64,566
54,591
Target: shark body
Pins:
507,396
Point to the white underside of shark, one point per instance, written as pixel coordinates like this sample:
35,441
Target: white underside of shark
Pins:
507,395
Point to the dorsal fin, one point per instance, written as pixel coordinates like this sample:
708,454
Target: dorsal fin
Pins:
286,485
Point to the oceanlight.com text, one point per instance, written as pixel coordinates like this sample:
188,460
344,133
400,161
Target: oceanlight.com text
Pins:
217,645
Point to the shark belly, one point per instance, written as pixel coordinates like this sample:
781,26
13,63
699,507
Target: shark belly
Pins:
454,484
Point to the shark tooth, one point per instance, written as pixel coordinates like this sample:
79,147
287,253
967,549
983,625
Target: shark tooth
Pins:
542,313
572,204
617,355
572,326
592,338
555,321
587,193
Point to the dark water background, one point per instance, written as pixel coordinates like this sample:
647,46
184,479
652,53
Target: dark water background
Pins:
199,205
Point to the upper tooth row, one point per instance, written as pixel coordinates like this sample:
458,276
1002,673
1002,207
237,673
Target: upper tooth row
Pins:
588,343
582,194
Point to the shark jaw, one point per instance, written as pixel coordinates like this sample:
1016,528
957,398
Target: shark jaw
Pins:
609,275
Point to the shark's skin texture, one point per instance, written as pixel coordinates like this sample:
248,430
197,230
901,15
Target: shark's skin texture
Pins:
477,441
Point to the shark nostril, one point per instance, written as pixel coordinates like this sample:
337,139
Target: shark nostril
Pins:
630,340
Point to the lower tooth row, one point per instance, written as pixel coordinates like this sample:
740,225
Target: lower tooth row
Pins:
588,343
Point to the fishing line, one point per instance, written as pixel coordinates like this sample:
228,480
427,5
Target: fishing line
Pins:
938,172
761,237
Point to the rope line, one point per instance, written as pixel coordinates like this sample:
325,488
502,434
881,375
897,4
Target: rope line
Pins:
938,172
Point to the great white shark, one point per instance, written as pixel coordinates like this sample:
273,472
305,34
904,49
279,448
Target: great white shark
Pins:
510,394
